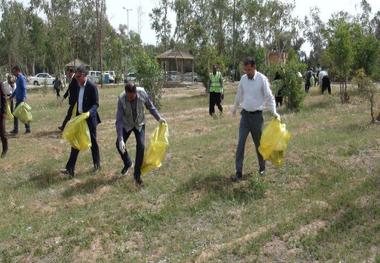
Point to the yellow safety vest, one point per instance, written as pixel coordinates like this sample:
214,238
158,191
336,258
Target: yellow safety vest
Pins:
215,82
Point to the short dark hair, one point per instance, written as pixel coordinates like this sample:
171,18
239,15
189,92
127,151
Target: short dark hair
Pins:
82,69
16,67
130,87
249,61
70,70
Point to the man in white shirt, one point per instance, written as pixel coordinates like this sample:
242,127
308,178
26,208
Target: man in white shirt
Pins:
253,95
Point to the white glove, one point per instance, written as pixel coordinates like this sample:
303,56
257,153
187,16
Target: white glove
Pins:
277,116
122,146
233,111
162,120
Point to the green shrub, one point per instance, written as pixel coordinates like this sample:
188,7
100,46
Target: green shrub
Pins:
149,75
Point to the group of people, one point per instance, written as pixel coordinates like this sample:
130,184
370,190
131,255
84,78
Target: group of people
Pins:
321,78
12,89
253,95
130,117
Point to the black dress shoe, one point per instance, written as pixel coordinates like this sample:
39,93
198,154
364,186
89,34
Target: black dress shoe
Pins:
60,128
14,132
3,154
97,168
27,131
68,172
125,170
237,177
139,182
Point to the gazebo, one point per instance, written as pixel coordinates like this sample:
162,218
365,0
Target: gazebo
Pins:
76,63
177,61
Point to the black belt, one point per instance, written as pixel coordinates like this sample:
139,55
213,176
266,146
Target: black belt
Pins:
253,112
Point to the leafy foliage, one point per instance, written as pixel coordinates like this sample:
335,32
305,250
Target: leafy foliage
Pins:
149,75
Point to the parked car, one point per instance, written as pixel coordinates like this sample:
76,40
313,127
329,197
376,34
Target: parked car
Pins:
188,76
42,79
131,76
112,75
94,76
173,76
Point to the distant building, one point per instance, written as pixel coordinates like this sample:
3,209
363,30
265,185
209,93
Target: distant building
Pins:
177,65
275,58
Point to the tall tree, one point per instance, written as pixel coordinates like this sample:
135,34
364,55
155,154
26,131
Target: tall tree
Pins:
161,24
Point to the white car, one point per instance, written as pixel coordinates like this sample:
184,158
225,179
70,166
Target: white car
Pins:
131,76
42,79
112,75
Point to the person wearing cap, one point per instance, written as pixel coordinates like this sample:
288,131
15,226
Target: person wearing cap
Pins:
252,96
86,99
130,117
70,92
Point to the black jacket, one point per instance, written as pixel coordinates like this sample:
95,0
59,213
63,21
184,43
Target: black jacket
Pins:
90,102
71,91
3,100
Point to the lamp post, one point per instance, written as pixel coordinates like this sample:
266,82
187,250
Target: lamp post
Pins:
128,10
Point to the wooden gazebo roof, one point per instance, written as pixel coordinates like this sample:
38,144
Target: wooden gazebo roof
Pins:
76,63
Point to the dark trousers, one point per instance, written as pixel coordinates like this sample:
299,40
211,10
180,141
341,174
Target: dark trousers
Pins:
307,86
279,100
58,91
12,105
3,137
249,123
27,125
68,116
94,150
140,147
215,99
326,84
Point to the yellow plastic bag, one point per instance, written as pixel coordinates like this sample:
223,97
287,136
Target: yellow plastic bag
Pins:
77,132
274,142
156,151
9,112
22,112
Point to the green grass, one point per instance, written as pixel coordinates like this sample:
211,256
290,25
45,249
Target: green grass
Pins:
322,205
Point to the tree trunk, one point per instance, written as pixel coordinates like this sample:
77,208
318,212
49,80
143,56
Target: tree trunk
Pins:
372,102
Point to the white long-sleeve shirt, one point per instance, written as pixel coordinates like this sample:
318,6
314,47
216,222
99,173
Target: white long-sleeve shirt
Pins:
255,94
8,89
80,97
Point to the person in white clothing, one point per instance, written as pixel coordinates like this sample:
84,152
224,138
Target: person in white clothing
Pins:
253,95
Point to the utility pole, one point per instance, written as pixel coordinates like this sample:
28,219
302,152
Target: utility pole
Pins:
128,10
139,19
100,9
234,43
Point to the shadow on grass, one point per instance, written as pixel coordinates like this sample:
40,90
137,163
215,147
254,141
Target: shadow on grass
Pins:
215,187
50,134
89,186
43,179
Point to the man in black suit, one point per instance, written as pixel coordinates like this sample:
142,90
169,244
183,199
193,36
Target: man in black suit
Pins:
87,100
71,93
